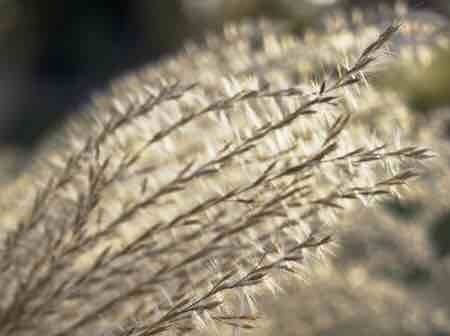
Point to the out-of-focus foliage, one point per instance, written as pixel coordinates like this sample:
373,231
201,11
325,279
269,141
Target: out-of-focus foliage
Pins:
54,54
426,86
440,234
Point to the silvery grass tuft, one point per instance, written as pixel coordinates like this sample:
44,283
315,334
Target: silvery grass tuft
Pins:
170,204
389,275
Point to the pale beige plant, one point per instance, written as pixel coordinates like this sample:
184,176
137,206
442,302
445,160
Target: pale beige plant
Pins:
170,200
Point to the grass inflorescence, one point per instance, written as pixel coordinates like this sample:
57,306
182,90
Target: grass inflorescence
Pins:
170,201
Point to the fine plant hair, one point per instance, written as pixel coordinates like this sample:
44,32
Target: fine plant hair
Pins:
170,204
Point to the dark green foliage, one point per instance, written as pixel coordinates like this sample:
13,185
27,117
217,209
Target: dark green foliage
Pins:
404,209
440,235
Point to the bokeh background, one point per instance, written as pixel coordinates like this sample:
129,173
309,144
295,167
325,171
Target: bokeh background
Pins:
54,54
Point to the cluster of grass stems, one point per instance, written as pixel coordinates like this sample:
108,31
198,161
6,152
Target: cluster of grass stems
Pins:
153,222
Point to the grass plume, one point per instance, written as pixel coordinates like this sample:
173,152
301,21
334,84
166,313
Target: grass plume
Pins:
170,200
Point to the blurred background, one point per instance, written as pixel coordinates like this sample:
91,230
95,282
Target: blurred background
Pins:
390,278
55,53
